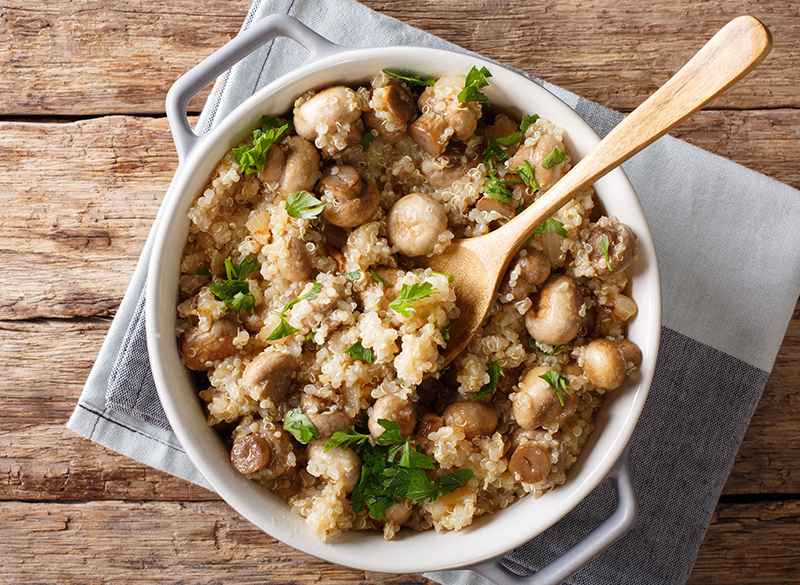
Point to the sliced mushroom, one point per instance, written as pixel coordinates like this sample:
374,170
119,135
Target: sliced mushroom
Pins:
296,265
329,119
302,166
476,419
349,200
391,107
554,317
199,349
537,403
620,243
415,223
265,452
327,416
270,373
392,408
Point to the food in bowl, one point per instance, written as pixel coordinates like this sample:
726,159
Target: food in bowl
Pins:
315,330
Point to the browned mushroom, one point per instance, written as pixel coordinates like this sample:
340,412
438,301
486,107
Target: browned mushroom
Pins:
270,373
349,200
537,403
392,408
554,318
476,419
200,348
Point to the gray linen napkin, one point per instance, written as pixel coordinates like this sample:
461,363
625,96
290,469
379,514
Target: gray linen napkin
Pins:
724,235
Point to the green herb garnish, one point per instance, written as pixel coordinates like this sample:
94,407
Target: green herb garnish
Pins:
303,205
393,470
309,336
253,158
300,426
284,329
449,277
517,136
378,278
525,172
555,157
552,225
495,371
476,79
203,272
533,344
447,331
493,150
497,190
358,352
411,79
409,294
557,382
235,291
367,140
604,244
355,275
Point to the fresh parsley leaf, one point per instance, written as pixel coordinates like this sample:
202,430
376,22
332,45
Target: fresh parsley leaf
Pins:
355,275
493,150
557,382
552,225
203,272
378,278
555,157
309,336
359,352
366,141
316,288
533,344
449,277
604,244
525,172
409,294
447,331
411,80
527,120
497,190
284,329
495,371
476,79
300,426
391,434
303,205
253,158
450,483
344,440
235,291
413,459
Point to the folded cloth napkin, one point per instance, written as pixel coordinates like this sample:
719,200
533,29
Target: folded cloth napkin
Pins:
724,236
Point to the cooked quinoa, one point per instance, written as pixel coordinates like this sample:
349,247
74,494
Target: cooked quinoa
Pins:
302,304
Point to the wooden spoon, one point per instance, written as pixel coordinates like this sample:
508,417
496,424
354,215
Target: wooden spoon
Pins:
478,264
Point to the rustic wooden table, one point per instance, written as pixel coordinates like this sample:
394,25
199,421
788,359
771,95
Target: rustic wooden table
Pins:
85,158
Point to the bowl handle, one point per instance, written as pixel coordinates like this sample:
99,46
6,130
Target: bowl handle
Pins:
192,82
610,531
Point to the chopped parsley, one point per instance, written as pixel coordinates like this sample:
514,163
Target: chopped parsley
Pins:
550,225
555,157
411,80
604,245
303,205
367,140
378,278
447,332
449,277
476,80
358,352
300,426
409,294
393,470
517,136
495,371
203,272
284,329
493,150
253,158
355,275
235,291
557,382
533,344
309,336
525,172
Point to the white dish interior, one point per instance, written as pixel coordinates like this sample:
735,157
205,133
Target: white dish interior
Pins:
490,535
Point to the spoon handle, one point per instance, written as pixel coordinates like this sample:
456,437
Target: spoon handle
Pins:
730,54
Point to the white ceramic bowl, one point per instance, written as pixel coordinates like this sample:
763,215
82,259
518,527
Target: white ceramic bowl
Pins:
490,535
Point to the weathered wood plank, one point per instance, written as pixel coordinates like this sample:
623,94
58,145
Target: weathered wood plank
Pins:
750,544
92,57
154,542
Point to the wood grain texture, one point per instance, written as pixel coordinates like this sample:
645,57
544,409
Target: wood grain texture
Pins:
85,159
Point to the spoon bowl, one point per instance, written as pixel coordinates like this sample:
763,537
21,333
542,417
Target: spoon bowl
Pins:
478,264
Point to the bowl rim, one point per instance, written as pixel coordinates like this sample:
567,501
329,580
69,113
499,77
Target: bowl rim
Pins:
416,553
